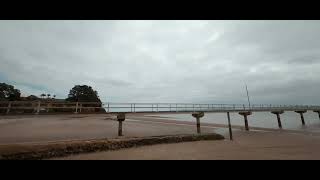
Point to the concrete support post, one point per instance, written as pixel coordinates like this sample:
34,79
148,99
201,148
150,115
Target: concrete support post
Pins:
120,129
278,117
198,125
301,116
279,121
318,113
245,116
198,115
120,117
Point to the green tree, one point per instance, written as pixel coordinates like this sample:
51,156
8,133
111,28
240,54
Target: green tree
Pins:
43,95
8,92
32,98
83,93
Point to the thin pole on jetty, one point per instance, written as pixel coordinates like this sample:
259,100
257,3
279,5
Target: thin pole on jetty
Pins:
229,124
248,96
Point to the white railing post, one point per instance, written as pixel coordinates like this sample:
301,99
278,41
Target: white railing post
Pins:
9,107
38,108
76,108
48,107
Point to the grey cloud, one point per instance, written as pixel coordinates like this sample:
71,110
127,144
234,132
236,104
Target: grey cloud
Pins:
166,61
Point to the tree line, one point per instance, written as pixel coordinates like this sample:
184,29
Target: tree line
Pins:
79,93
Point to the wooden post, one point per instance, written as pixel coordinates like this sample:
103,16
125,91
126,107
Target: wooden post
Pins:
80,108
108,107
151,107
134,107
9,107
229,124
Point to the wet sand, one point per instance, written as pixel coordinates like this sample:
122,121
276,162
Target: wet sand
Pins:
48,128
246,145
258,143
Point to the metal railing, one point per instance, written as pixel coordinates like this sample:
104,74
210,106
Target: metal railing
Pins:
189,107
78,107
45,106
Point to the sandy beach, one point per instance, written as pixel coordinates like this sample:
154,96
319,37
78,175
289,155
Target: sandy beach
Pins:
258,143
253,145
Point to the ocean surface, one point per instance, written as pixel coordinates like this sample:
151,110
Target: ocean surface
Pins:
290,120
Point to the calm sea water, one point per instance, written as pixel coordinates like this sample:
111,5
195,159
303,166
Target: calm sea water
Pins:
289,120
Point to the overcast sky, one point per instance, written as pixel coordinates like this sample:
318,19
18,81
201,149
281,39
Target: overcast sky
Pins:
165,61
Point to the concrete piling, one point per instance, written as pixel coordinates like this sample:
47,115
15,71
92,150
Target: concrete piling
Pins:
317,111
301,116
198,115
278,117
245,115
120,118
